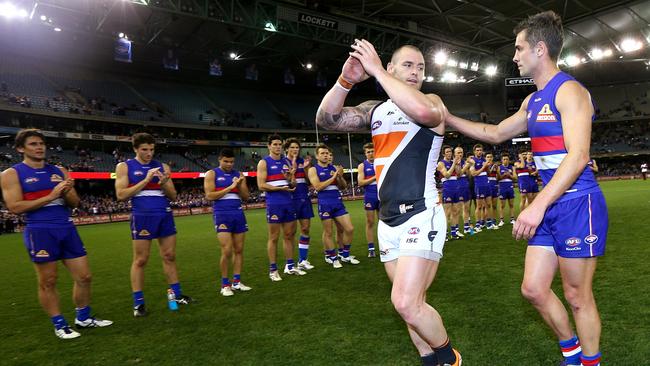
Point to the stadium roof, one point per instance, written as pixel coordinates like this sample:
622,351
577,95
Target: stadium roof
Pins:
297,32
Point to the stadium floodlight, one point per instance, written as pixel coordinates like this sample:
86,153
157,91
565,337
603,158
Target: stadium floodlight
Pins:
491,70
9,10
233,56
121,35
630,45
270,27
596,54
440,58
452,63
572,60
608,52
462,65
57,29
449,77
474,66
429,79
308,66
43,18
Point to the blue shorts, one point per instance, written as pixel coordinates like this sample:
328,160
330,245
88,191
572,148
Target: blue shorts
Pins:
330,210
49,244
304,210
450,195
506,192
534,187
575,228
230,222
494,191
280,213
152,226
370,203
482,192
463,194
524,187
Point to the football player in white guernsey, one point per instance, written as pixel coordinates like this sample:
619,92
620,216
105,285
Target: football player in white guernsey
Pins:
407,135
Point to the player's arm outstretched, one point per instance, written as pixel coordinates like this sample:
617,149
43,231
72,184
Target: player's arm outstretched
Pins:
426,109
574,104
261,180
332,115
12,193
492,134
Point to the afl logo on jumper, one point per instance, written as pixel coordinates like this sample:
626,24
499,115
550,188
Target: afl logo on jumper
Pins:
414,231
572,242
591,239
138,173
375,125
31,180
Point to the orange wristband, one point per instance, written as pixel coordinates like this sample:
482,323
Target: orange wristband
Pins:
344,83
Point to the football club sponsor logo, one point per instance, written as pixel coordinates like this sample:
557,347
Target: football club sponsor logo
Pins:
546,115
375,125
414,231
31,180
591,239
138,173
368,204
572,242
42,254
274,217
274,167
404,208
384,252
56,178
326,214
144,232
285,167
223,227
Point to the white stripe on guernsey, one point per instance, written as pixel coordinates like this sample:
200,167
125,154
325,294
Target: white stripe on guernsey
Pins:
482,173
301,180
549,161
278,183
331,188
56,202
229,196
149,193
373,183
506,180
522,174
452,178
492,178
572,353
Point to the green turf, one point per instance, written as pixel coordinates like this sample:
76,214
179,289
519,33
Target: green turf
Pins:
329,317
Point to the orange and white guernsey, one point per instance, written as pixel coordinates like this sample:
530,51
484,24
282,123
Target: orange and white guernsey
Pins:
406,156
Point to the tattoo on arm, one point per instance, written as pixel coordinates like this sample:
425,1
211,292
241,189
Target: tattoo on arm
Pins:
349,119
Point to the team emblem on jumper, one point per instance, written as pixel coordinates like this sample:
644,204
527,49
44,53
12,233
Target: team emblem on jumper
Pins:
546,115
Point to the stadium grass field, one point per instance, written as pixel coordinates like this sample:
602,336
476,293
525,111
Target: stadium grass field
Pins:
329,317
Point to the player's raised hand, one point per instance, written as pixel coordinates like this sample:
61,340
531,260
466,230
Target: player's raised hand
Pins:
365,52
353,71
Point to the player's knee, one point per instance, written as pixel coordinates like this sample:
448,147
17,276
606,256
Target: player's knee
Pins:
576,298
140,261
349,230
533,293
84,279
169,257
405,305
47,282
